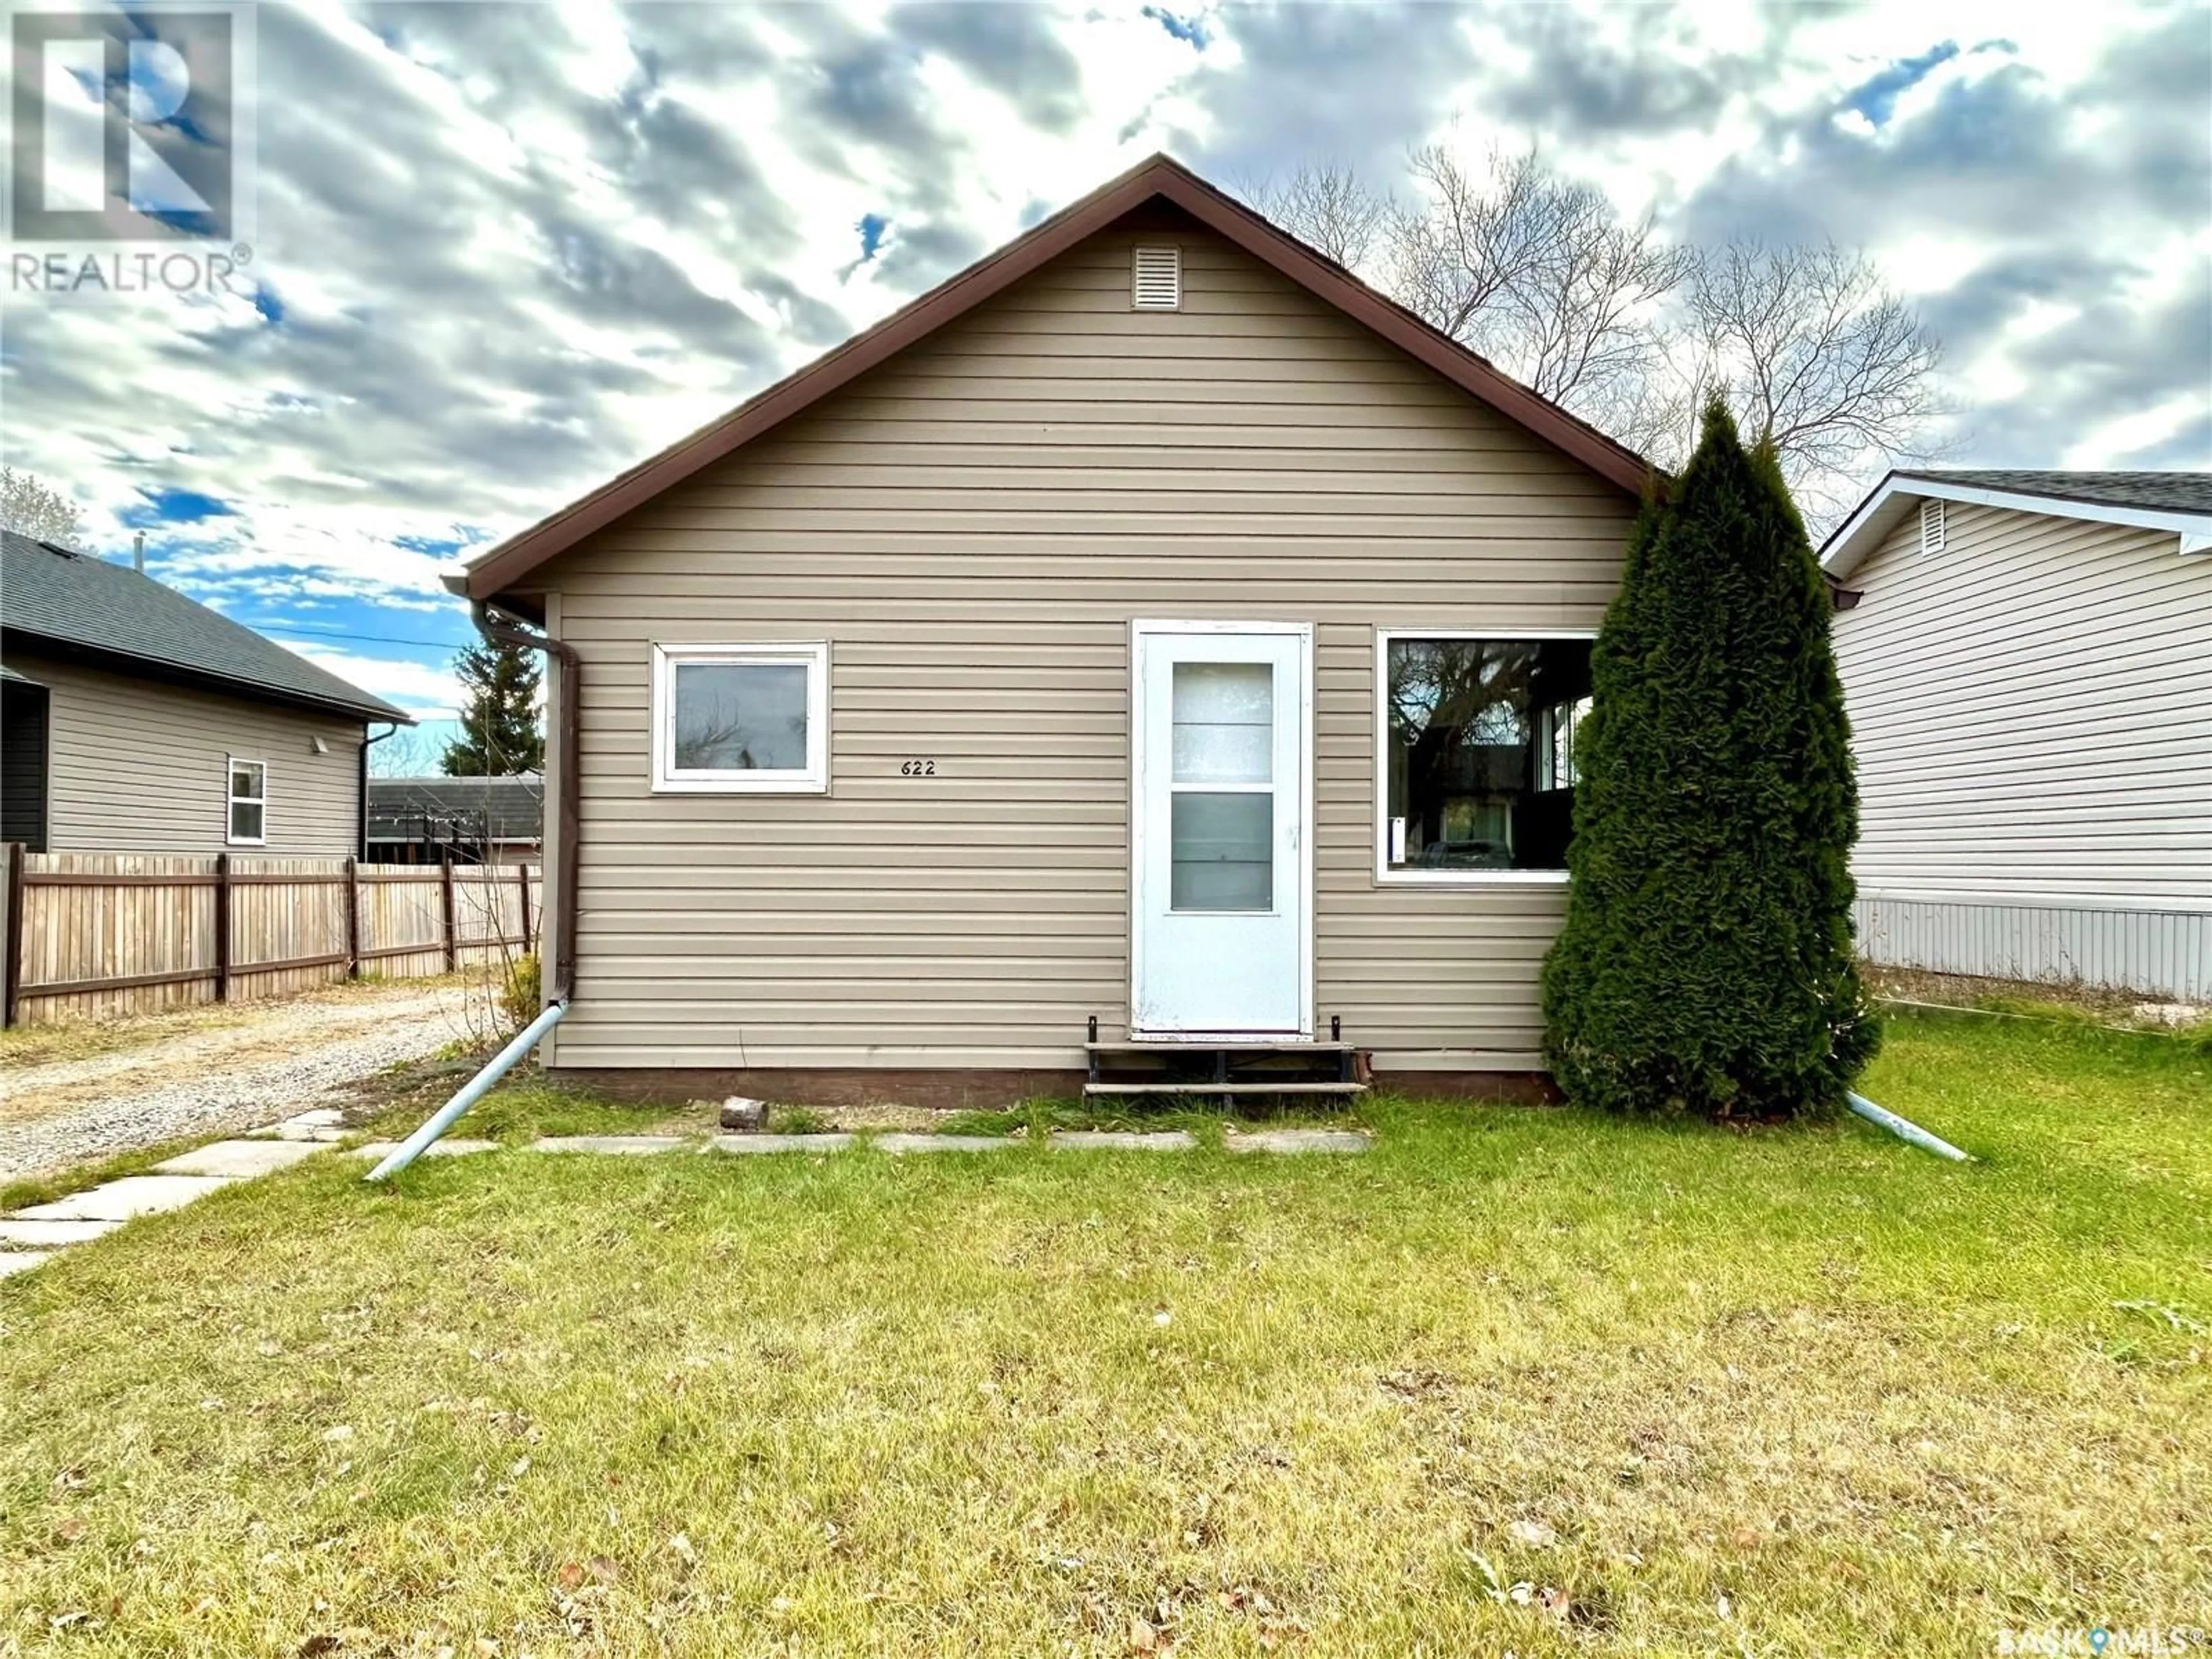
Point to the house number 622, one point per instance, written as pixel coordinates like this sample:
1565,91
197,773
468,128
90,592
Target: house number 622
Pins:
919,769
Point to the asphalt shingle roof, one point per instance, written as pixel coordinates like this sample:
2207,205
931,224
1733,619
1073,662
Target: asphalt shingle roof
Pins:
111,609
2158,492
509,808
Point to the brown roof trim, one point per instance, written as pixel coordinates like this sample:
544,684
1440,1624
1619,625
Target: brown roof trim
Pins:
1159,176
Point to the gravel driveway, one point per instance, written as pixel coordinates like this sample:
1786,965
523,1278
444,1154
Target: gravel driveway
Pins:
271,1064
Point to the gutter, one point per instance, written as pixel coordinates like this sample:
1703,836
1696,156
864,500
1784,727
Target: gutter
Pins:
467,1095
511,631
1905,1129
360,840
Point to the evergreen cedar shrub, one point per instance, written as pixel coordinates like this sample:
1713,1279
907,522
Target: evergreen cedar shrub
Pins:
1707,963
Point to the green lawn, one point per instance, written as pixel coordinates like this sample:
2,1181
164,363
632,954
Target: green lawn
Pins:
1689,1391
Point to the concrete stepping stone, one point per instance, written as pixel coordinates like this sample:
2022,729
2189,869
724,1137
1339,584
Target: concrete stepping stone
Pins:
634,1145
898,1145
822,1143
323,1123
17,1234
19,1262
1298,1141
121,1200
240,1159
1126,1140
451,1146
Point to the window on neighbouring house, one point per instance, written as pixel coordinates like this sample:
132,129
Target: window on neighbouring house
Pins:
741,718
1478,752
249,803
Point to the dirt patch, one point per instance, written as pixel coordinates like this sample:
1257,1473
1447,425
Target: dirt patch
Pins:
2101,1003
264,1062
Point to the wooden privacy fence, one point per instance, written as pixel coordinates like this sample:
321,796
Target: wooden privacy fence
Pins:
89,935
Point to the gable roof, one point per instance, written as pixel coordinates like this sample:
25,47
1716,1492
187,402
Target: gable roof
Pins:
501,567
2166,492
124,617
2179,501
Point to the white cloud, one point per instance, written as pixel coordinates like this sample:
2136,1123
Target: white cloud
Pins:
424,692
516,248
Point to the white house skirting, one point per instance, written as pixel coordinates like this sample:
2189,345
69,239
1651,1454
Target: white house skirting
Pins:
2158,952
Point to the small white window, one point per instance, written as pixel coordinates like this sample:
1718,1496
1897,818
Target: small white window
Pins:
1931,526
741,718
249,803
1156,280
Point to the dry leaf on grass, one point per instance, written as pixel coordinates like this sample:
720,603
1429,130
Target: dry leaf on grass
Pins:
1536,1534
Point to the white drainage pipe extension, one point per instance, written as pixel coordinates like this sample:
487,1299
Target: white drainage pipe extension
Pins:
467,1095
1906,1130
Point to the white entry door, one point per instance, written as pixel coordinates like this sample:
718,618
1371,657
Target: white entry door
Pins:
1220,936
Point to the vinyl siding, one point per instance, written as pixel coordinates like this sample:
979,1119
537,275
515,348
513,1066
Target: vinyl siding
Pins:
139,767
2032,711
973,526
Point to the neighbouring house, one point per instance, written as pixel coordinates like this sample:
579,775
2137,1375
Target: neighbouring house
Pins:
138,721
2028,661
436,820
1150,625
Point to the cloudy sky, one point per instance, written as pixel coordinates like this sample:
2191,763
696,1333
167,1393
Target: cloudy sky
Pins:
502,252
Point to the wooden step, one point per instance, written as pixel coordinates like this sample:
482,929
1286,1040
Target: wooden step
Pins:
1201,1088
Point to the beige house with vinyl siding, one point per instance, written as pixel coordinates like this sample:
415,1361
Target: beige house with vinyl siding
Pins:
2027,658
1151,625
134,720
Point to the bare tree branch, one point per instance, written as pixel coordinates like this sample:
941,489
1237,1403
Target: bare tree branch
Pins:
1328,207
409,752
1535,272
1816,353
1818,357
1471,237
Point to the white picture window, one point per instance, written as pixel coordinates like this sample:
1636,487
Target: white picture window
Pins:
1475,761
249,803
741,719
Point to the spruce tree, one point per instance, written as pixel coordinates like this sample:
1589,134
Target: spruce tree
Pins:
499,721
1707,963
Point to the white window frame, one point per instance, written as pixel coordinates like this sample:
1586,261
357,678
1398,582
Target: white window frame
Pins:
1384,875
812,779
231,802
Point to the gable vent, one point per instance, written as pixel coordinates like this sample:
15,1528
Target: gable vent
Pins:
1931,526
1156,281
